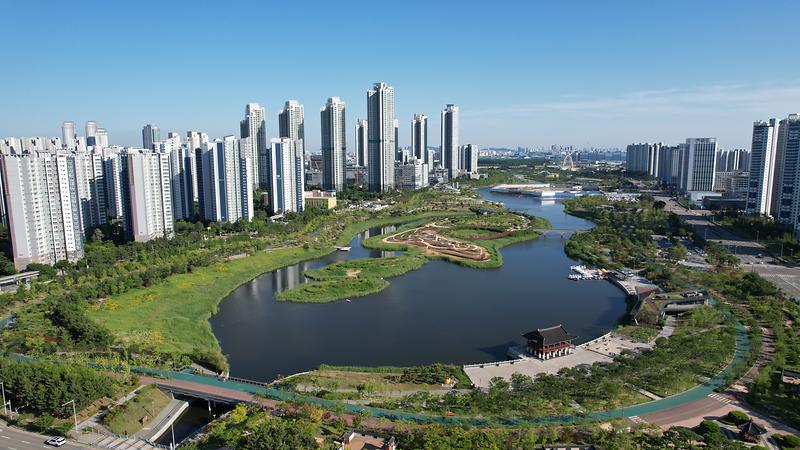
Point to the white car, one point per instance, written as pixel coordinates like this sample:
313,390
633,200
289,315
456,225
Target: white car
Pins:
56,441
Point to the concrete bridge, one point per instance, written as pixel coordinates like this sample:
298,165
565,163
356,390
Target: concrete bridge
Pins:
562,232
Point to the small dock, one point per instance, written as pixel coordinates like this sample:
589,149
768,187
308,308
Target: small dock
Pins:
585,273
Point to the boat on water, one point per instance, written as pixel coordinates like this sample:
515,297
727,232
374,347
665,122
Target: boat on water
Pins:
347,300
344,249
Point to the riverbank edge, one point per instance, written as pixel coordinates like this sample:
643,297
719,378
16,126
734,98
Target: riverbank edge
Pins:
202,340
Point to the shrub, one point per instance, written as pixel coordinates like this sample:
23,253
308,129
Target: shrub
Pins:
735,417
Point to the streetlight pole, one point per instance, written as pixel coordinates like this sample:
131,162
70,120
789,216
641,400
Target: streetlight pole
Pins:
74,413
3,387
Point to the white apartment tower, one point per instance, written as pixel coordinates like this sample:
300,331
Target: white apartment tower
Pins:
148,214
225,180
419,138
90,185
254,126
334,146
195,141
40,195
762,167
180,161
450,140
291,124
787,189
91,133
699,165
286,190
68,135
101,138
468,155
361,141
380,143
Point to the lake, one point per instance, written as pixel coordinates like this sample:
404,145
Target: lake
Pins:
442,312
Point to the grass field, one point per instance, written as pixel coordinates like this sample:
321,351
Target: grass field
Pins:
131,416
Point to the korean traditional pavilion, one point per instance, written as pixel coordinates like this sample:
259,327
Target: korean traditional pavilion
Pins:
751,431
548,343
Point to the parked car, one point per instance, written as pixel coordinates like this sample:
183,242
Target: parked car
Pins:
56,441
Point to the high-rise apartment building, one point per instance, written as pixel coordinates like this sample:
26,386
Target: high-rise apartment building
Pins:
397,154
362,143
291,124
286,190
254,126
195,141
225,180
450,140
68,137
419,138
181,169
334,148
468,155
115,175
91,133
787,208
669,162
42,205
90,185
737,160
150,135
148,208
643,158
699,165
763,151
101,138
380,145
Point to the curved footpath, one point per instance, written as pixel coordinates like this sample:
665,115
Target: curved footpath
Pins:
244,391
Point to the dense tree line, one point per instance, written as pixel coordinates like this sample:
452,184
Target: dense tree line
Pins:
43,388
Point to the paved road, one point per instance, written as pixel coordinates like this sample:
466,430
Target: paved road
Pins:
785,277
15,439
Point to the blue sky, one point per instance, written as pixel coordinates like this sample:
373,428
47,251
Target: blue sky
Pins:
531,73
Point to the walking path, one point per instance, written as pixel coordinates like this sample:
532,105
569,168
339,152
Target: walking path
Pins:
160,423
240,391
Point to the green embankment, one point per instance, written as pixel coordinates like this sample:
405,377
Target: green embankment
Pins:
131,416
172,317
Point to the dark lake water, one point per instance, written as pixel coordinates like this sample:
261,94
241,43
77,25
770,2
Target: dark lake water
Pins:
440,313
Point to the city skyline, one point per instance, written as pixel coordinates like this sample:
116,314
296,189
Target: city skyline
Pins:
535,100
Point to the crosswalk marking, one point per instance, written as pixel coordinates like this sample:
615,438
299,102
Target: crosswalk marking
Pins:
720,398
637,419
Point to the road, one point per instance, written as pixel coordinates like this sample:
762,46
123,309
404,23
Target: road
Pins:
785,277
16,439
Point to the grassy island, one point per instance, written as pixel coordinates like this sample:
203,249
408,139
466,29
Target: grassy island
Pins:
473,240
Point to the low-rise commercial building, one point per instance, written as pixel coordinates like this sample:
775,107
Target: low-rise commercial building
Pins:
319,199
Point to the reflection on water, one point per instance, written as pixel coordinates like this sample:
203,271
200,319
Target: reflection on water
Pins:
440,313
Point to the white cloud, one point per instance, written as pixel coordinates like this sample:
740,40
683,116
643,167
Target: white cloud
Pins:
724,111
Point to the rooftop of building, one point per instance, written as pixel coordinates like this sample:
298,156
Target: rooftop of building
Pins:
549,336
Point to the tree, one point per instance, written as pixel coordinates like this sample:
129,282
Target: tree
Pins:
677,252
